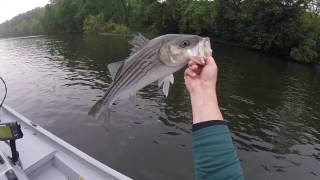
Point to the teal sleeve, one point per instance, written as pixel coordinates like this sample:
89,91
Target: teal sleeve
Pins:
214,154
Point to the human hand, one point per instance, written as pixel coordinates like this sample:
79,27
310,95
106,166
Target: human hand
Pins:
201,81
201,78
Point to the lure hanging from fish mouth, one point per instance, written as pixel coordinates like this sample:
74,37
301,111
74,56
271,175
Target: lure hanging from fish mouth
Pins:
150,61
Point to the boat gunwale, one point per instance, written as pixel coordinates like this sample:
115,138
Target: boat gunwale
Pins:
66,146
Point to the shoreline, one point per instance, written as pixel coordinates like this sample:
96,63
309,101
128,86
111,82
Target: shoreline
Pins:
213,39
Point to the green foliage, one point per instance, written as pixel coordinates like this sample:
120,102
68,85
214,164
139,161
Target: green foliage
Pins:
61,17
111,27
94,24
308,50
305,52
290,28
98,25
199,17
265,25
23,24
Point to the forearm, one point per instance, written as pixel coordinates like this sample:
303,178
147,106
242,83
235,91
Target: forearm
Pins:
214,153
205,106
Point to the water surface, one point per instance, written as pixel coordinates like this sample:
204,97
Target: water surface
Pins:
273,107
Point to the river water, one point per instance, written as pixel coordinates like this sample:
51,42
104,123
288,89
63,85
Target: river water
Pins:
273,107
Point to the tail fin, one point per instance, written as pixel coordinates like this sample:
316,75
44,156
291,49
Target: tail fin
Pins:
95,110
102,121
101,112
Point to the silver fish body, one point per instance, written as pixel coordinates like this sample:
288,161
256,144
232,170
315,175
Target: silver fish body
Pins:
151,60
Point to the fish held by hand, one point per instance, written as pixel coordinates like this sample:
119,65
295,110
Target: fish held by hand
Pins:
150,61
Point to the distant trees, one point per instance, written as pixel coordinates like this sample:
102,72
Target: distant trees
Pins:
94,24
314,6
98,25
91,16
308,46
23,24
286,27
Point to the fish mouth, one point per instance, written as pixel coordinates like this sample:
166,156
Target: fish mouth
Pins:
201,51
207,47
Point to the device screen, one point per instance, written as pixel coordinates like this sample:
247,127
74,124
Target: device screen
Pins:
5,132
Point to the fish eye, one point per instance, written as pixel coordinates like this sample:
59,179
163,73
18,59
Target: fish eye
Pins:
185,43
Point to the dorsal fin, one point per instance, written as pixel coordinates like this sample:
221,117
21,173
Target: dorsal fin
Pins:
114,68
138,42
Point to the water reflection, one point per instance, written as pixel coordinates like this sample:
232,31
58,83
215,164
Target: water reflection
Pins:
273,107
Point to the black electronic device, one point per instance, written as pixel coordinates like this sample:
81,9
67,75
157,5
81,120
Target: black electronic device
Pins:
11,132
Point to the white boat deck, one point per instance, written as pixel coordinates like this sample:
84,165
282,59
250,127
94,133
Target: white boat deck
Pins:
46,157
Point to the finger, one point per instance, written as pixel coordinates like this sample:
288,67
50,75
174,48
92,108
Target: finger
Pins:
194,67
195,60
190,73
186,72
192,62
209,60
187,78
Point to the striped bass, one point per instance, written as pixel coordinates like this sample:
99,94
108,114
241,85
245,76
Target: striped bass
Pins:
150,61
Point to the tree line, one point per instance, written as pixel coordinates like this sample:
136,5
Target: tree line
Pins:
290,28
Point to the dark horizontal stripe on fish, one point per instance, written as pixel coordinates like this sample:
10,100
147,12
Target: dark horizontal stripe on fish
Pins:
132,75
144,54
125,70
142,72
116,84
129,69
141,68
136,64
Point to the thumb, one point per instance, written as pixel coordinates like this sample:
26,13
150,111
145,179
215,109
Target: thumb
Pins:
209,60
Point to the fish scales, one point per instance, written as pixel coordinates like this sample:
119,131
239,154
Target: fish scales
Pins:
128,74
149,61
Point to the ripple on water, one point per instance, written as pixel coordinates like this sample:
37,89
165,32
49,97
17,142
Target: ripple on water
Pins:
272,107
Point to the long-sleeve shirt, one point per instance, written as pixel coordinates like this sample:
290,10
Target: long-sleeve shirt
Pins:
214,154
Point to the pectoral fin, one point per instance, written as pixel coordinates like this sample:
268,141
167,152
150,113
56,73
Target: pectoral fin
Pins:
165,83
114,68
